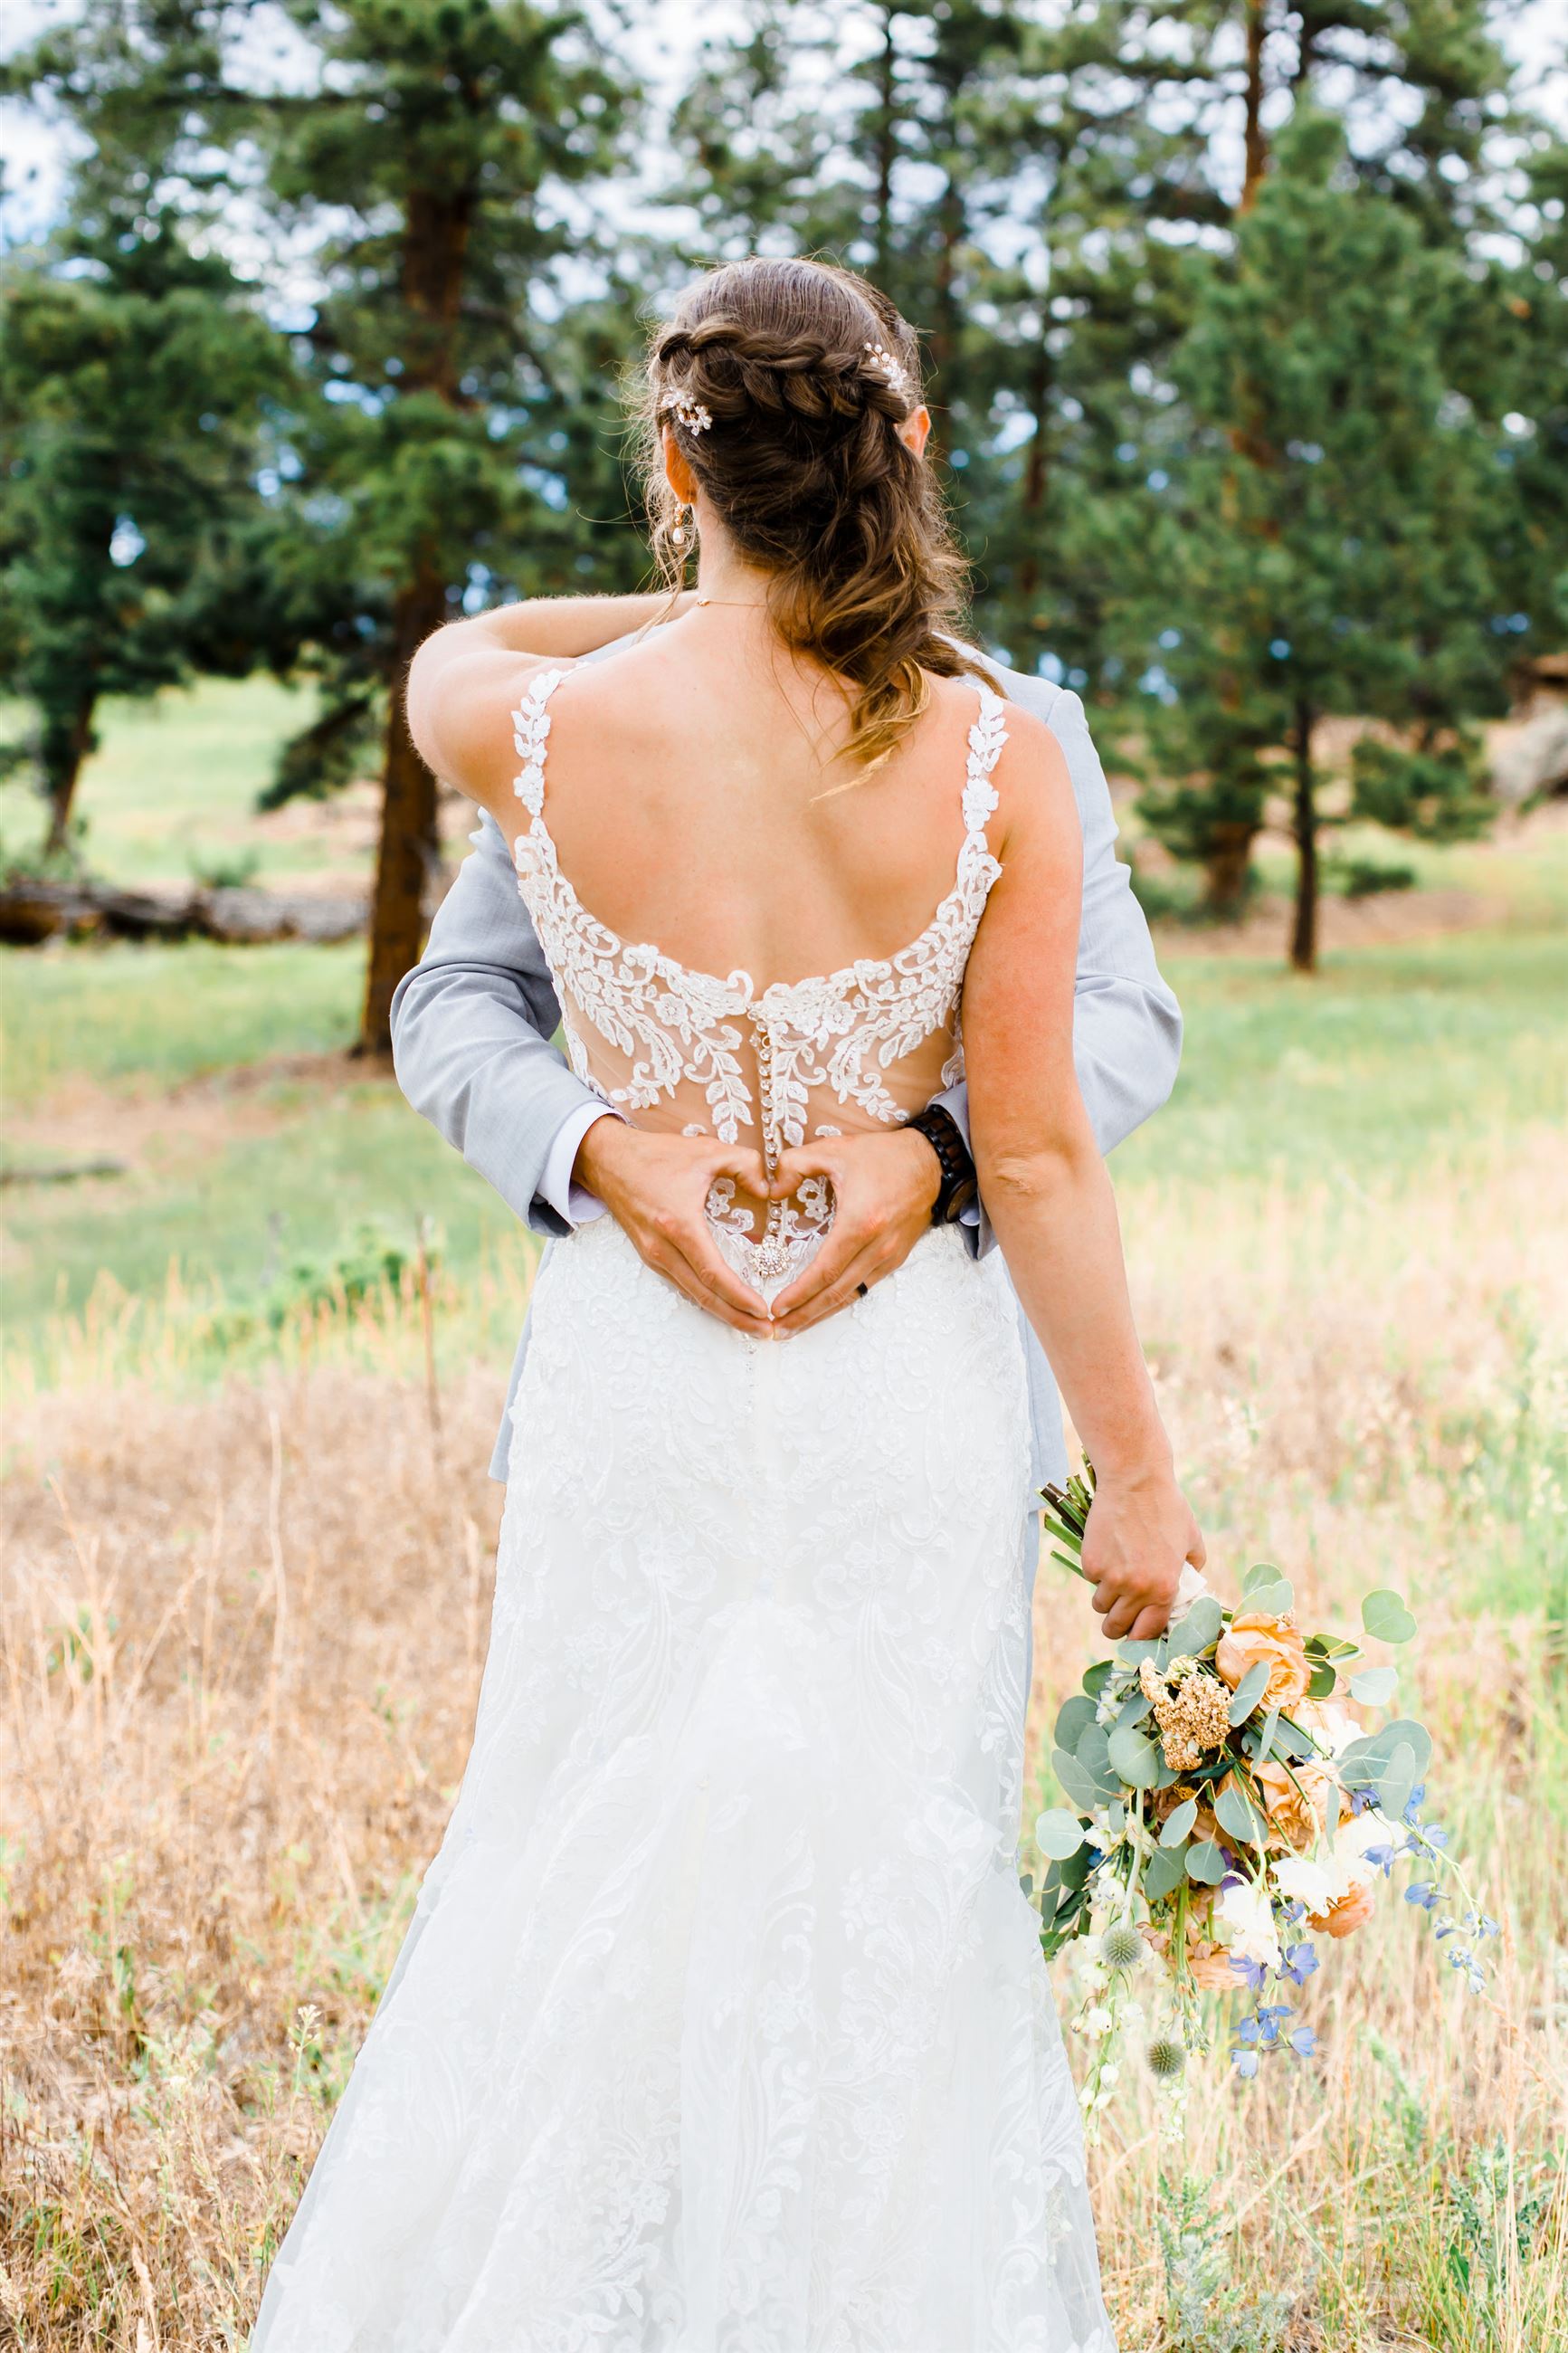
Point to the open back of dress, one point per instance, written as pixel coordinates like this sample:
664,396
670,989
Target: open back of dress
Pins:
865,1046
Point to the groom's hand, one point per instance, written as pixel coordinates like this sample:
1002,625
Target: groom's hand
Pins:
884,1187
656,1188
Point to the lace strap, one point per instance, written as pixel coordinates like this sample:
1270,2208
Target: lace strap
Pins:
530,734
987,737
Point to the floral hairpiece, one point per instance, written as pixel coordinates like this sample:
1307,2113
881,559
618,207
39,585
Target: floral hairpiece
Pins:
883,363
687,411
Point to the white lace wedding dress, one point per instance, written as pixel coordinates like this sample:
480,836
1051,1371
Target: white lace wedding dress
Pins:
722,2026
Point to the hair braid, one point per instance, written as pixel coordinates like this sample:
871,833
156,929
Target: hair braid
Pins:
798,373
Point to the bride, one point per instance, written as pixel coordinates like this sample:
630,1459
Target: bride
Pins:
722,2025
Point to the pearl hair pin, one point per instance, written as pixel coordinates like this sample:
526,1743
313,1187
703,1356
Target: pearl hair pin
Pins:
883,363
687,411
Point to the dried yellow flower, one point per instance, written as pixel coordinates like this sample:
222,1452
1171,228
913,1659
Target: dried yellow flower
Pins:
1189,1707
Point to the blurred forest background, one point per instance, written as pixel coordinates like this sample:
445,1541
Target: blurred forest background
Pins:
1247,331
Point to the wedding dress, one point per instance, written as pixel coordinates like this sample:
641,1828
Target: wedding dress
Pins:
722,2024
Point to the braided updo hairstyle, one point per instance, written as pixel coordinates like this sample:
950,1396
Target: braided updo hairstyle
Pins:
783,382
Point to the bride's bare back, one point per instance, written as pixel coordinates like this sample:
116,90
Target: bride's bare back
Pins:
751,938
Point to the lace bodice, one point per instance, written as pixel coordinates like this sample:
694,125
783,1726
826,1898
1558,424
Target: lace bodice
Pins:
867,1044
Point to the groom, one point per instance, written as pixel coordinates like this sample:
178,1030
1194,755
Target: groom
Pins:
471,1027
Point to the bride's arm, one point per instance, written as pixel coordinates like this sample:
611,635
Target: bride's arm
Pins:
465,680
1048,1193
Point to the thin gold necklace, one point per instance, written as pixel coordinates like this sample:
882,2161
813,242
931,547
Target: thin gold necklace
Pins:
740,604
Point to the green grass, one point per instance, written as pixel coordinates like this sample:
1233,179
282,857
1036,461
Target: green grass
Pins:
1390,1061
175,781
1381,1062
159,1016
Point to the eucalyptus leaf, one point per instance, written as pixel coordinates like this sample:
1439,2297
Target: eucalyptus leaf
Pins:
1059,1834
1248,1692
1234,1814
1094,1754
1266,1738
1274,1598
1095,1677
1076,1713
1198,1629
1323,1682
1205,1863
1262,1572
1364,1760
1164,1873
1132,1654
1176,1826
1134,1757
1394,1785
1135,1708
1079,1785
1386,1618
1374,1686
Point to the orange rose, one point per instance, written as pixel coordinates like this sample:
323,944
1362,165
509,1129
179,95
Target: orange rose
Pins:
1348,1912
1298,1808
1257,1637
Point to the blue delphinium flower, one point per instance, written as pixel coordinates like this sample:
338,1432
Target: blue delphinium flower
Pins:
1246,2064
1300,1960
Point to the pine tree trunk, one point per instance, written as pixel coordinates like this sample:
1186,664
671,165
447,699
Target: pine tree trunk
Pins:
1255,145
67,740
1304,931
435,249
886,147
1228,864
1037,467
408,847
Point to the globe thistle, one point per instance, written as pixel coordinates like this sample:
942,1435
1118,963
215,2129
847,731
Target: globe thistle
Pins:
1166,2058
1122,1947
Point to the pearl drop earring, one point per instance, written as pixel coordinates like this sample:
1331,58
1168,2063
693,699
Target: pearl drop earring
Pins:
681,537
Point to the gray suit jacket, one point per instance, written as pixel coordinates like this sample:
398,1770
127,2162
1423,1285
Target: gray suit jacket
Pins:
472,1024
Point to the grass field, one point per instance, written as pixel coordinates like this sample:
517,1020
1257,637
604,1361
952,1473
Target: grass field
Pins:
243,1609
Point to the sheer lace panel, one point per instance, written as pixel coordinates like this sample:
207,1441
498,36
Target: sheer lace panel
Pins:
866,1046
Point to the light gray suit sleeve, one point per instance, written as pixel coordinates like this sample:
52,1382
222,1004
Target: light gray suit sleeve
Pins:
1127,1025
471,1027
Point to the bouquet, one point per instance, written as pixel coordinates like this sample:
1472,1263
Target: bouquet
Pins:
1227,1810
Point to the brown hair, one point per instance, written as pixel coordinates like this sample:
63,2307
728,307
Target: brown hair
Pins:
783,382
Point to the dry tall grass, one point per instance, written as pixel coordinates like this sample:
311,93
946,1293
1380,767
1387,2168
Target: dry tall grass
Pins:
241,1635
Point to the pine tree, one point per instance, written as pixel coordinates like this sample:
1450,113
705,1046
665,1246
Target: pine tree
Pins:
457,426
136,383
1419,89
1342,567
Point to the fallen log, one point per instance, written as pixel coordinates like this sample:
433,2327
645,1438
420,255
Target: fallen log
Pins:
33,911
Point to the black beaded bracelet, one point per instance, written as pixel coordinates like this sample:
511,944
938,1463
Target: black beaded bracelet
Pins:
958,1187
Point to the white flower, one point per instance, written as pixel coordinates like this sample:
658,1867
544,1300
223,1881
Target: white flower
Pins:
1096,2020
1333,1726
1248,1914
1191,1586
1300,1882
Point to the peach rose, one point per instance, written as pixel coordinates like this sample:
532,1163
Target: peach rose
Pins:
1347,1913
1296,1801
1210,1966
1257,1637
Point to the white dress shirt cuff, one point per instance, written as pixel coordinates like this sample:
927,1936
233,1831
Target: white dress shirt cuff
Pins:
572,1202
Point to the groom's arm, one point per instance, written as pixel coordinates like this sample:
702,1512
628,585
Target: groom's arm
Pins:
471,1030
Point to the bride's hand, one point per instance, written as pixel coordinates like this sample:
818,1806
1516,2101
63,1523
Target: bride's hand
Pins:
1139,1533
655,1188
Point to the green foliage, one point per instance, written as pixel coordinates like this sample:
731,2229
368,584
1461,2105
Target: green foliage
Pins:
136,379
1206,2310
